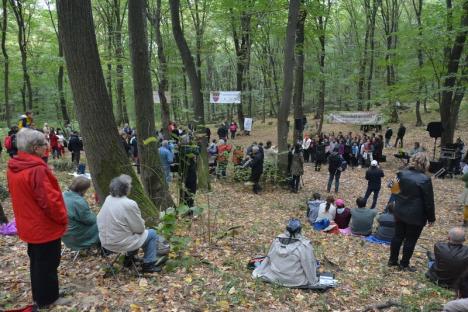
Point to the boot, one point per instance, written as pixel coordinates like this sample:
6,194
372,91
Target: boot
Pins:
150,268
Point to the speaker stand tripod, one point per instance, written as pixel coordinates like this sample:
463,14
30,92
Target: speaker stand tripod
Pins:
435,144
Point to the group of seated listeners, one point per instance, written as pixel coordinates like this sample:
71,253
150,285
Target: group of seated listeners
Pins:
332,216
118,227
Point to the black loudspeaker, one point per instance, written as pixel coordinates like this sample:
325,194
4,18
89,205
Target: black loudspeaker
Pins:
435,166
298,124
435,129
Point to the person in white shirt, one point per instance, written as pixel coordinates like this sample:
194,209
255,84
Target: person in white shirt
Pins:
327,210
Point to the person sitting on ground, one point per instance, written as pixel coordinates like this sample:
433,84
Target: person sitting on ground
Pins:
290,261
121,227
327,210
82,232
449,259
461,303
386,221
343,215
362,218
313,207
416,149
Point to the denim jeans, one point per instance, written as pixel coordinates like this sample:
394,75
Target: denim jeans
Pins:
334,175
150,247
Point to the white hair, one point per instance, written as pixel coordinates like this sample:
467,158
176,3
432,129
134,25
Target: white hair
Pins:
27,139
457,235
120,186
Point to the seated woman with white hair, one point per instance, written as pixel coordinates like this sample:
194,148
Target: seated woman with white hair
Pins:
121,227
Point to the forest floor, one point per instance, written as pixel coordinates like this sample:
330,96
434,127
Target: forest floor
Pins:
211,273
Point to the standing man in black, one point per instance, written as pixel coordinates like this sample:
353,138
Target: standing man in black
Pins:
400,134
334,169
257,168
374,177
388,136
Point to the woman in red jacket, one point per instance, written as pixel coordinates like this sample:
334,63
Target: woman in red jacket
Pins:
54,145
41,216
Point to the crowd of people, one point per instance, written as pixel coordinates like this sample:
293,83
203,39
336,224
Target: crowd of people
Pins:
45,216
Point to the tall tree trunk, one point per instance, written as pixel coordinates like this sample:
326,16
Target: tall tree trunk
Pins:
418,10
119,15
6,71
288,80
151,170
110,32
299,75
186,102
363,61
163,84
189,64
195,83
60,76
375,7
17,8
242,46
453,87
104,152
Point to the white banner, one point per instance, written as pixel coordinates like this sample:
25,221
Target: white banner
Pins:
156,97
356,118
248,124
225,97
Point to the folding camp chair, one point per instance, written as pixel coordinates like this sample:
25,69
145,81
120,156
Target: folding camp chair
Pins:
110,262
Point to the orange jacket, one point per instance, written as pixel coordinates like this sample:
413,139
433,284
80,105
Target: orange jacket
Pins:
37,200
223,152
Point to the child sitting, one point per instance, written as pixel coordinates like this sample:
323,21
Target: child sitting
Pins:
343,215
386,221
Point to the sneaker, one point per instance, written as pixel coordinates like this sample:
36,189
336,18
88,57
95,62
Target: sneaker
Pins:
407,268
161,261
150,268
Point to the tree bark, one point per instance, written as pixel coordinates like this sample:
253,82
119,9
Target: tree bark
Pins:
104,152
6,71
189,64
453,86
17,8
155,19
195,84
119,15
418,11
375,7
288,76
152,174
299,74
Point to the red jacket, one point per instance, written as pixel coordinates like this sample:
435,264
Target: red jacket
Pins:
53,140
37,200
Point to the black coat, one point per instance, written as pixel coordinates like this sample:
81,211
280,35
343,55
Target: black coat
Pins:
401,132
74,144
222,132
388,133
334,162
450,262
257,165
415,202
374,177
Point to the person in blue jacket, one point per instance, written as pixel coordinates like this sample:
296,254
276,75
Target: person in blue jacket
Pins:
167,158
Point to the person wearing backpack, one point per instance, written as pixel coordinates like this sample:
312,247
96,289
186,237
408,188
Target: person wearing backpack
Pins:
10,142
374,177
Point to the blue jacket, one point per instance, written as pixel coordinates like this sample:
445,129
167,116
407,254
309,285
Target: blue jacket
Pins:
166,156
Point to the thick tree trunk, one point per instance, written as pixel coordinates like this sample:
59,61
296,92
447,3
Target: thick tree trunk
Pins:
6,71
152,174
104,152
110,32
321,104
119,14
453,87
163,84
195,84
288,80
189,64
299,75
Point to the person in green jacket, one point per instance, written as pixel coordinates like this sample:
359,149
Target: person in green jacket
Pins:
82,232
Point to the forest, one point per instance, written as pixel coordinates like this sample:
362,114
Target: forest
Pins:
98,66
